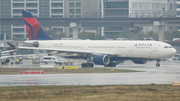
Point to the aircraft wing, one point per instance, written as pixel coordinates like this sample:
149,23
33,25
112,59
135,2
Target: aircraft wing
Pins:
49,50
8,51
10,56
4,57
7,56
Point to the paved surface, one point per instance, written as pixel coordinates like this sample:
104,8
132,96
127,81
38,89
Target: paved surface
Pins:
166,74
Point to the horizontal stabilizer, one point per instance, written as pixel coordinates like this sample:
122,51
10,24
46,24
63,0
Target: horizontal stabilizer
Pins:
11,45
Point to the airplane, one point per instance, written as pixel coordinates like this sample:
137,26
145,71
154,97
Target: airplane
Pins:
95,51
5,56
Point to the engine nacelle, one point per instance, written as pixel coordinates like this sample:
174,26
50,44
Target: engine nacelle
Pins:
35,44
140,61
101,59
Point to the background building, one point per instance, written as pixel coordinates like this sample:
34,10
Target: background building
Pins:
5,12
136,8
178,8
152,8
39,8
78,8
0,17
114,8
178,11
97,8
45,8
84,8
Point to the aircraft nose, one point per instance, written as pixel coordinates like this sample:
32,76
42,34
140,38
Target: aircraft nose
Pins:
171,52
175,51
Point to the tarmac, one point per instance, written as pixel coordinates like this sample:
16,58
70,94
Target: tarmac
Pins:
166,74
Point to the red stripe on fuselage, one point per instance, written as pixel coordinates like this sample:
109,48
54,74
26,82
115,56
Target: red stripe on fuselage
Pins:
29,32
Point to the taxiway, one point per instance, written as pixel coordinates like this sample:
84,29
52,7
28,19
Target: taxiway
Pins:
166,74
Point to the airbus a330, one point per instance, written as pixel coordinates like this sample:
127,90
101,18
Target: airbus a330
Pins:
95,51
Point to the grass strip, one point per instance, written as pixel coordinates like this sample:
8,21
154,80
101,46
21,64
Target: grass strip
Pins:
91,93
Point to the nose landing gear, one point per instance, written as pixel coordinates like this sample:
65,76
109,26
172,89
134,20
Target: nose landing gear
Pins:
158,64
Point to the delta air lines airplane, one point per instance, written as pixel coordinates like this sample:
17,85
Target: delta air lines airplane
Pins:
99,52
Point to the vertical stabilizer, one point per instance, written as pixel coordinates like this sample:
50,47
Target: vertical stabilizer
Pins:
33,28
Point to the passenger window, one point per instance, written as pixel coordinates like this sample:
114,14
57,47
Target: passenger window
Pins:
168,47
54,59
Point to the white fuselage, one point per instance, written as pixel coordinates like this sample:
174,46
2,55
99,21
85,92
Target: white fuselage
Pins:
135,49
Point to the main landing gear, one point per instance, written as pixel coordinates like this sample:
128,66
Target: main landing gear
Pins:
158,64
111,65
87,65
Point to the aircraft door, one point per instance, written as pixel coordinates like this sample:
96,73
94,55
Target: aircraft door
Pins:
131,47
155,48
150,52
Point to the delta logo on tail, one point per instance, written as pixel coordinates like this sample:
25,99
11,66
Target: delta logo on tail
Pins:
33,28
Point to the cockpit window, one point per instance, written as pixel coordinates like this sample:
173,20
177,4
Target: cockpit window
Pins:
168,47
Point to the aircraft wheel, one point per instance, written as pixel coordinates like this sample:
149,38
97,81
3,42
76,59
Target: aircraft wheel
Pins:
109,65
87,65
157,65
113,64
91,65
83,65
105,65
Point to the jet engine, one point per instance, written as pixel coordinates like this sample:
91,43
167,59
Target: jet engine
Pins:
140,61
101,59
35,44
